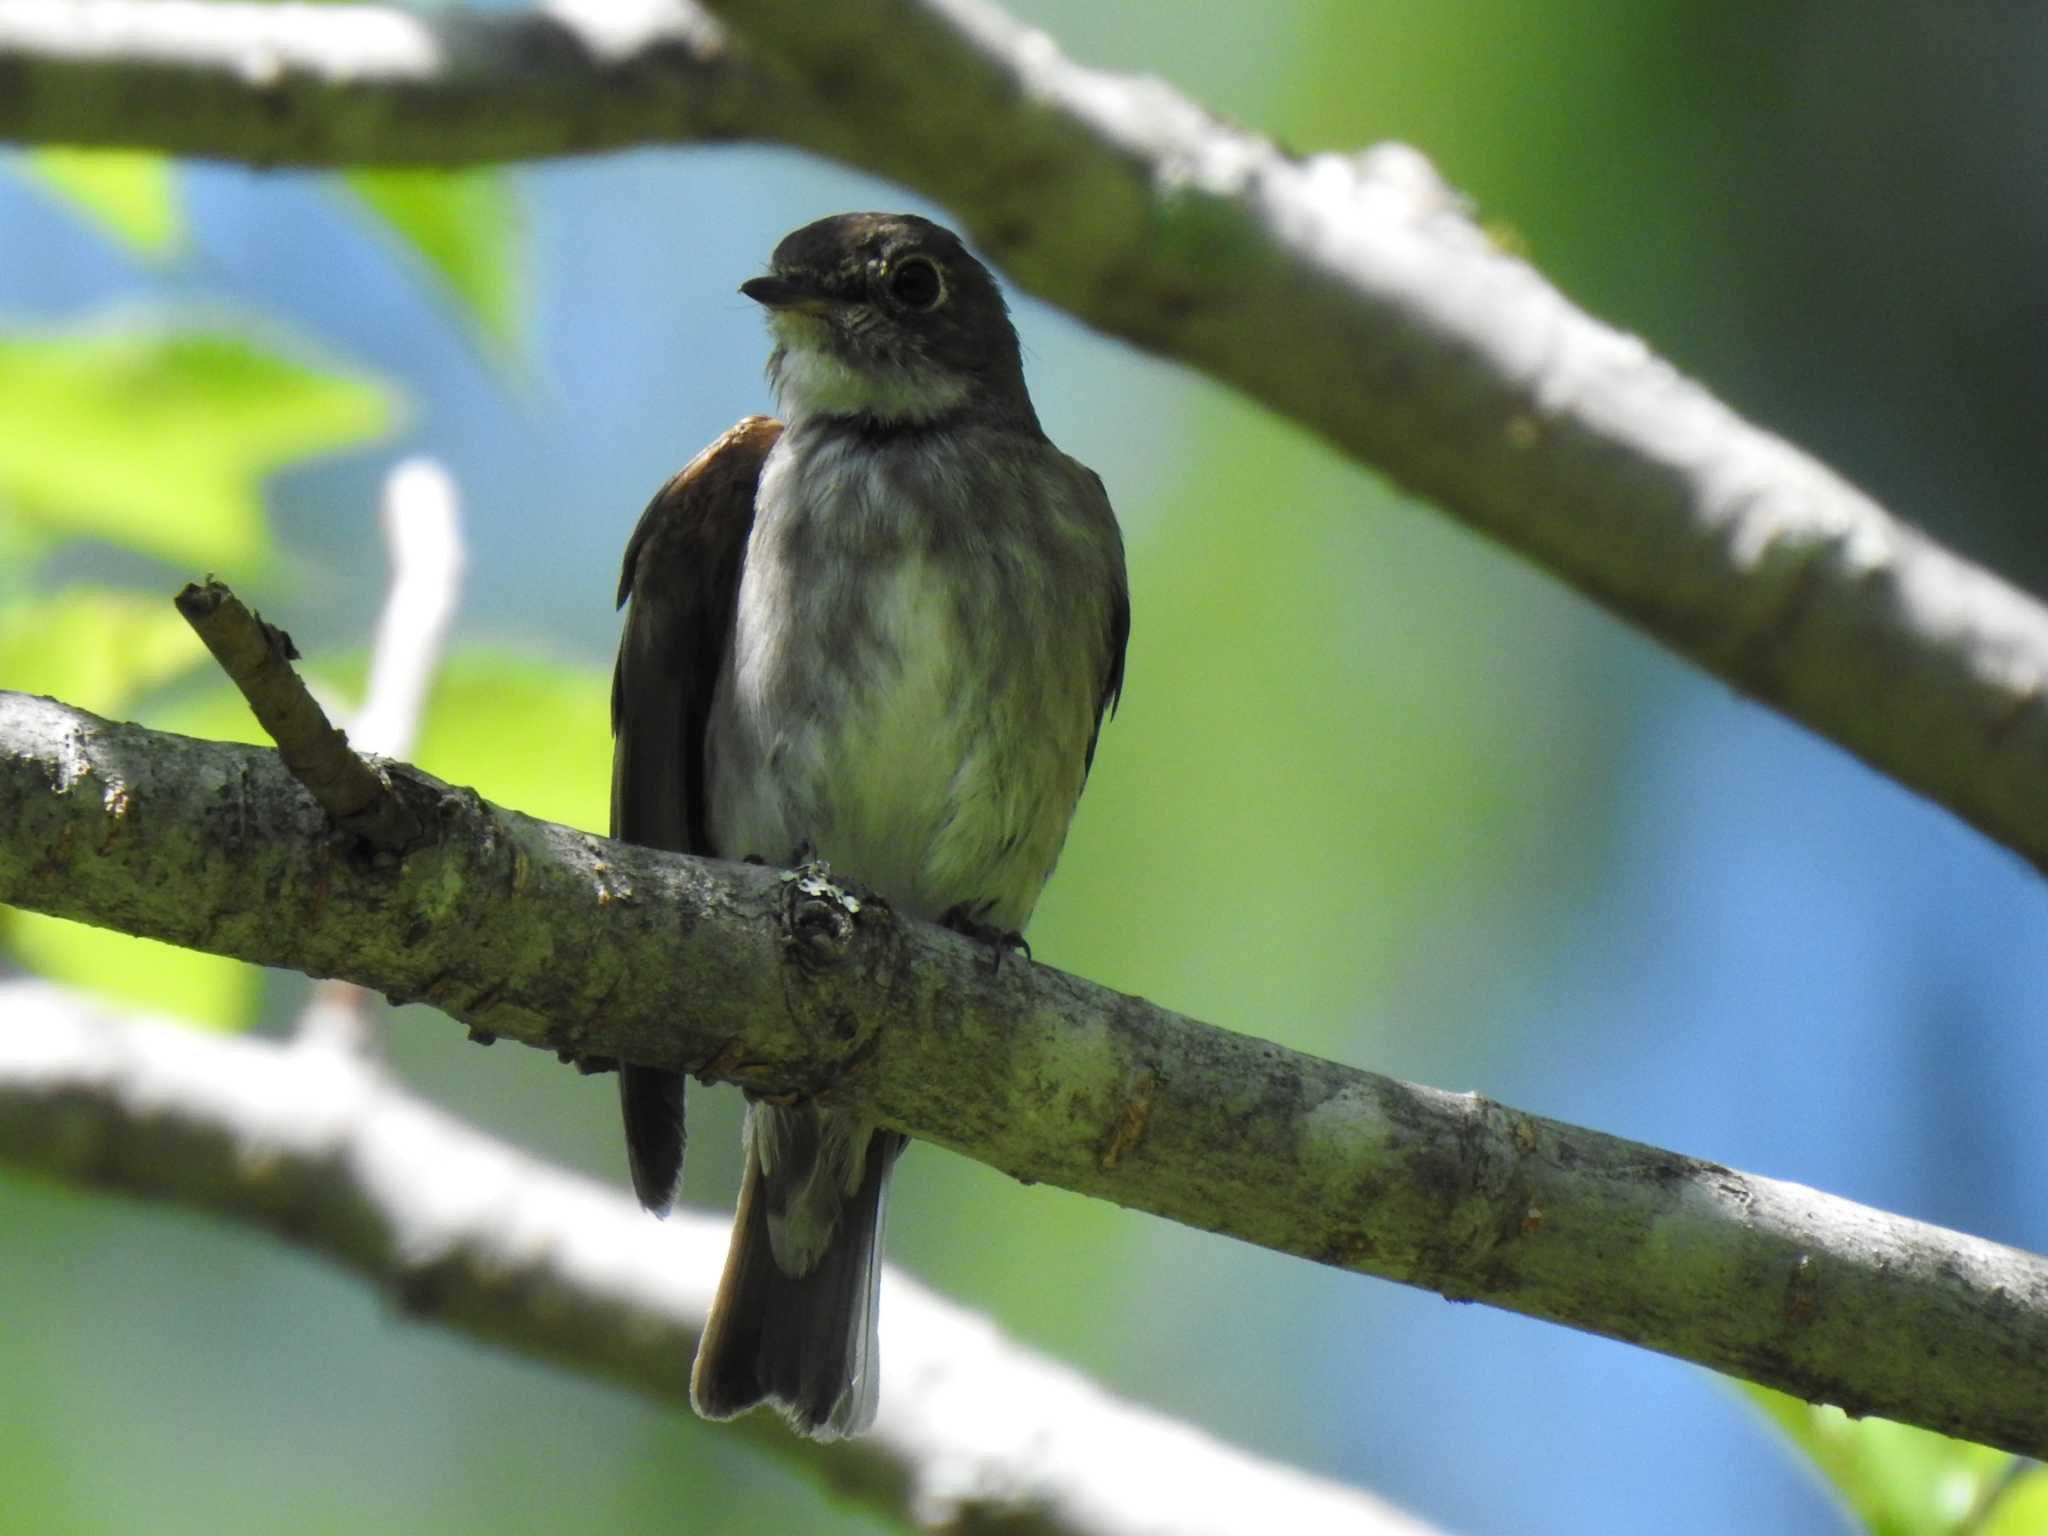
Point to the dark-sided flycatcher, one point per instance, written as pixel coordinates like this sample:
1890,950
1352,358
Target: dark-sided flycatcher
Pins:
885,630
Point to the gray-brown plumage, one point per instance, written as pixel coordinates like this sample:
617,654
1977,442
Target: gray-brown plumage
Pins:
887,632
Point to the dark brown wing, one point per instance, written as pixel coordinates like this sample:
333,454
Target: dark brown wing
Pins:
682,576
1119,639
1113,678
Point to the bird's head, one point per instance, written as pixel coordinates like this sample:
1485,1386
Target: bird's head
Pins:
886,317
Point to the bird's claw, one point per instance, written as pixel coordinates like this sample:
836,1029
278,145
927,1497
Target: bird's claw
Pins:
961,919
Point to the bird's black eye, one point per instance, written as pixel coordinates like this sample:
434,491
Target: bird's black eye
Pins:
916,284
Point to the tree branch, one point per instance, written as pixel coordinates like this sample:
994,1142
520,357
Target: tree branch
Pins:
318,1147
534,931
347,84
1350,293
257,658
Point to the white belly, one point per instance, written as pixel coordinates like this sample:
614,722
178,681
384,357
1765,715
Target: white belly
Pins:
905,692
914,773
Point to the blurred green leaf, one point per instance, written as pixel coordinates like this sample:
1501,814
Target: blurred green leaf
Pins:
159,439
526,732
466,226
94,647
137,973
2021,1508
1902,1481
529,734
130,194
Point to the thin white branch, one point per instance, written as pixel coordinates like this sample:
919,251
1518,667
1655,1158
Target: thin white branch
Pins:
324,1150
422,521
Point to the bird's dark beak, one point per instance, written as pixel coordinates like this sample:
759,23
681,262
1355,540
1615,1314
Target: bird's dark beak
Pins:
783,293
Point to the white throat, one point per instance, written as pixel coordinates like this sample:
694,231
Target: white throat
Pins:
812,381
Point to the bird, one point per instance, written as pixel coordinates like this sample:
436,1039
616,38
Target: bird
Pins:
882,631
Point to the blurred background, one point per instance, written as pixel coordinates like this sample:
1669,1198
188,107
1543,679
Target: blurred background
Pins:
1377,790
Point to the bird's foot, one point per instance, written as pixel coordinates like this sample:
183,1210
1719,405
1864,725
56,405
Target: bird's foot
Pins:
1000,941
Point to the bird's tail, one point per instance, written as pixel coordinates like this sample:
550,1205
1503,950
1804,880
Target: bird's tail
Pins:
806,1342
652,1104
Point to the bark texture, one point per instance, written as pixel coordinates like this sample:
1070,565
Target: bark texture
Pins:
535,932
